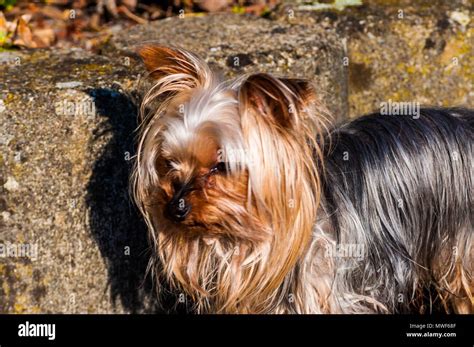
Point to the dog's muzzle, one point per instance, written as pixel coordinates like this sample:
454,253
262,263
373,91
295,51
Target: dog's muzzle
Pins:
178,208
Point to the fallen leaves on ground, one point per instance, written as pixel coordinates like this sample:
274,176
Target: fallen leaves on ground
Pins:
89,23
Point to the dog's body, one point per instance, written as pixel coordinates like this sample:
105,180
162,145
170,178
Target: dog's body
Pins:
400,187
254,206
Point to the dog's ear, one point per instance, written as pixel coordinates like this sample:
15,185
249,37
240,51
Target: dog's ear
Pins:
280,122
162,62
284,102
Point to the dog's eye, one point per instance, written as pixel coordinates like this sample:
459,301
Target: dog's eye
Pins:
169,164
220,167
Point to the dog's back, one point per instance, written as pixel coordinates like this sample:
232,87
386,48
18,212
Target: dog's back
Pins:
402,187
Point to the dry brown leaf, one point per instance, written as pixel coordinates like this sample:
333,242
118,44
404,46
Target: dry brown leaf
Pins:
61,32
112,7
44,37
11,26
126,12
94,23
79,4
156,14
23,35
26,17
53,12
257,9
213,5
131,4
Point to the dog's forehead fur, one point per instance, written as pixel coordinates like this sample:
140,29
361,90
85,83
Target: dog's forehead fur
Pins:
201,123
199,146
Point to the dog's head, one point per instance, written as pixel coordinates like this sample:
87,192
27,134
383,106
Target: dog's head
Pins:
226,176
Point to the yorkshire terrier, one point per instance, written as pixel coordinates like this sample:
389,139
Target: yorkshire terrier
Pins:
256,204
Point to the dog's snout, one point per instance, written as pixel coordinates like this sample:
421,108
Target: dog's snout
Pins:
177,210
178,207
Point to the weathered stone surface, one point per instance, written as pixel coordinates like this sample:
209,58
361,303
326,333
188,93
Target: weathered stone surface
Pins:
67,132
401,50
66,150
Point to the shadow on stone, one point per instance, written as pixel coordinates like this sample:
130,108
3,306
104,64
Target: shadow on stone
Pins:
116,225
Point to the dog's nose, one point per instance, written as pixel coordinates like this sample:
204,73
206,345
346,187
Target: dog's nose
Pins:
177,211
